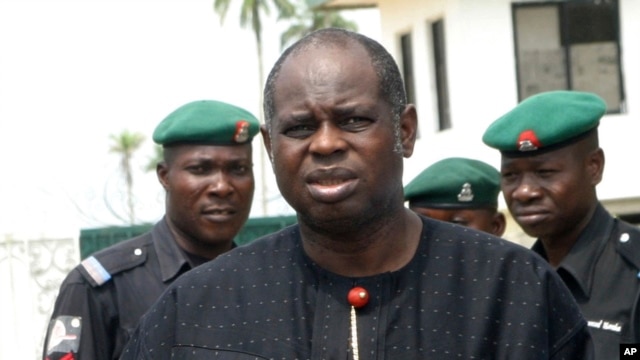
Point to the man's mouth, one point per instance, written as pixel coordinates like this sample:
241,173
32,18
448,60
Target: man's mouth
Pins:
219,214
331,185
530,218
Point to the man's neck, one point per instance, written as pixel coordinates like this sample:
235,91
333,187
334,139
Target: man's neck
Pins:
556,252
386,246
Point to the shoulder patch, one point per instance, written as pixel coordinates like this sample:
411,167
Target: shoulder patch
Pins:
63,337
97,272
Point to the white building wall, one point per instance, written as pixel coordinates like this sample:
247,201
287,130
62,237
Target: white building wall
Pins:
619,134
482,83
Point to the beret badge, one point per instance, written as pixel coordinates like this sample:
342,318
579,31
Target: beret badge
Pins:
242,131
528,141
466,194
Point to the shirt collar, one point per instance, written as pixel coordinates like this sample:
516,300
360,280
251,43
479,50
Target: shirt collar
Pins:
580,262
172,260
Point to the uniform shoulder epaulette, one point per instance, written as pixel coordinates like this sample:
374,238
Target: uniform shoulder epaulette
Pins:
95,270
99,268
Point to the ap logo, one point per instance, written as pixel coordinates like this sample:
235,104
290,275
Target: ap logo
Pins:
629,351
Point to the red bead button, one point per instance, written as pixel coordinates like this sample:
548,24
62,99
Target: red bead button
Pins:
358,297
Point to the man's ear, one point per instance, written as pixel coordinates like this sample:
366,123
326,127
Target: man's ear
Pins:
408,129
499,224
267,141
595,165
162,172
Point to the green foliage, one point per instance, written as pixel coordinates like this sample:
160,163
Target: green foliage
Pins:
307,20
251,10
126,142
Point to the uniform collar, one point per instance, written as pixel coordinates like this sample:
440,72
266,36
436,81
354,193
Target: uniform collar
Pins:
577,268
173,261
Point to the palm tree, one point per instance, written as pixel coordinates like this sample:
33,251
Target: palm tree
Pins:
308,20
125,144
250,14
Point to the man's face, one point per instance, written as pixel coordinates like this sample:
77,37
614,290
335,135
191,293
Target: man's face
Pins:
487,220
332,138
209,191
550,195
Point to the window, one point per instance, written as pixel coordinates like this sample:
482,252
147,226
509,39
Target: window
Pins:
569,45
407,67
440,69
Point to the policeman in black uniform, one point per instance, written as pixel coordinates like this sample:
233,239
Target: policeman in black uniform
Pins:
208,177
551,164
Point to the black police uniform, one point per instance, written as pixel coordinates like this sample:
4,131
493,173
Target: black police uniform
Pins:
464,295
102,299
602,271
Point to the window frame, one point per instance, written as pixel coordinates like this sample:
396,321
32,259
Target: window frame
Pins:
438,44
566,46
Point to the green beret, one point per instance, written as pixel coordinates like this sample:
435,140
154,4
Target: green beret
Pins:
546,121
207,122
455,183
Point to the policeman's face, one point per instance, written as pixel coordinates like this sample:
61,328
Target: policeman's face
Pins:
332,139
551,195
487,220
209,192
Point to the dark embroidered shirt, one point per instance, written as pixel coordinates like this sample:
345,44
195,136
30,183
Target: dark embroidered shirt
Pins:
464,295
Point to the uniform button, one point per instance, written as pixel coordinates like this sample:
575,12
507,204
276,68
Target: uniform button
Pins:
137,252
624,237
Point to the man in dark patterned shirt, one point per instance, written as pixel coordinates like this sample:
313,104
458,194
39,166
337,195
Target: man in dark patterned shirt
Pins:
360,276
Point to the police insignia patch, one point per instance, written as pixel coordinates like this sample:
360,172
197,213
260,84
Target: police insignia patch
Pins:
63,337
